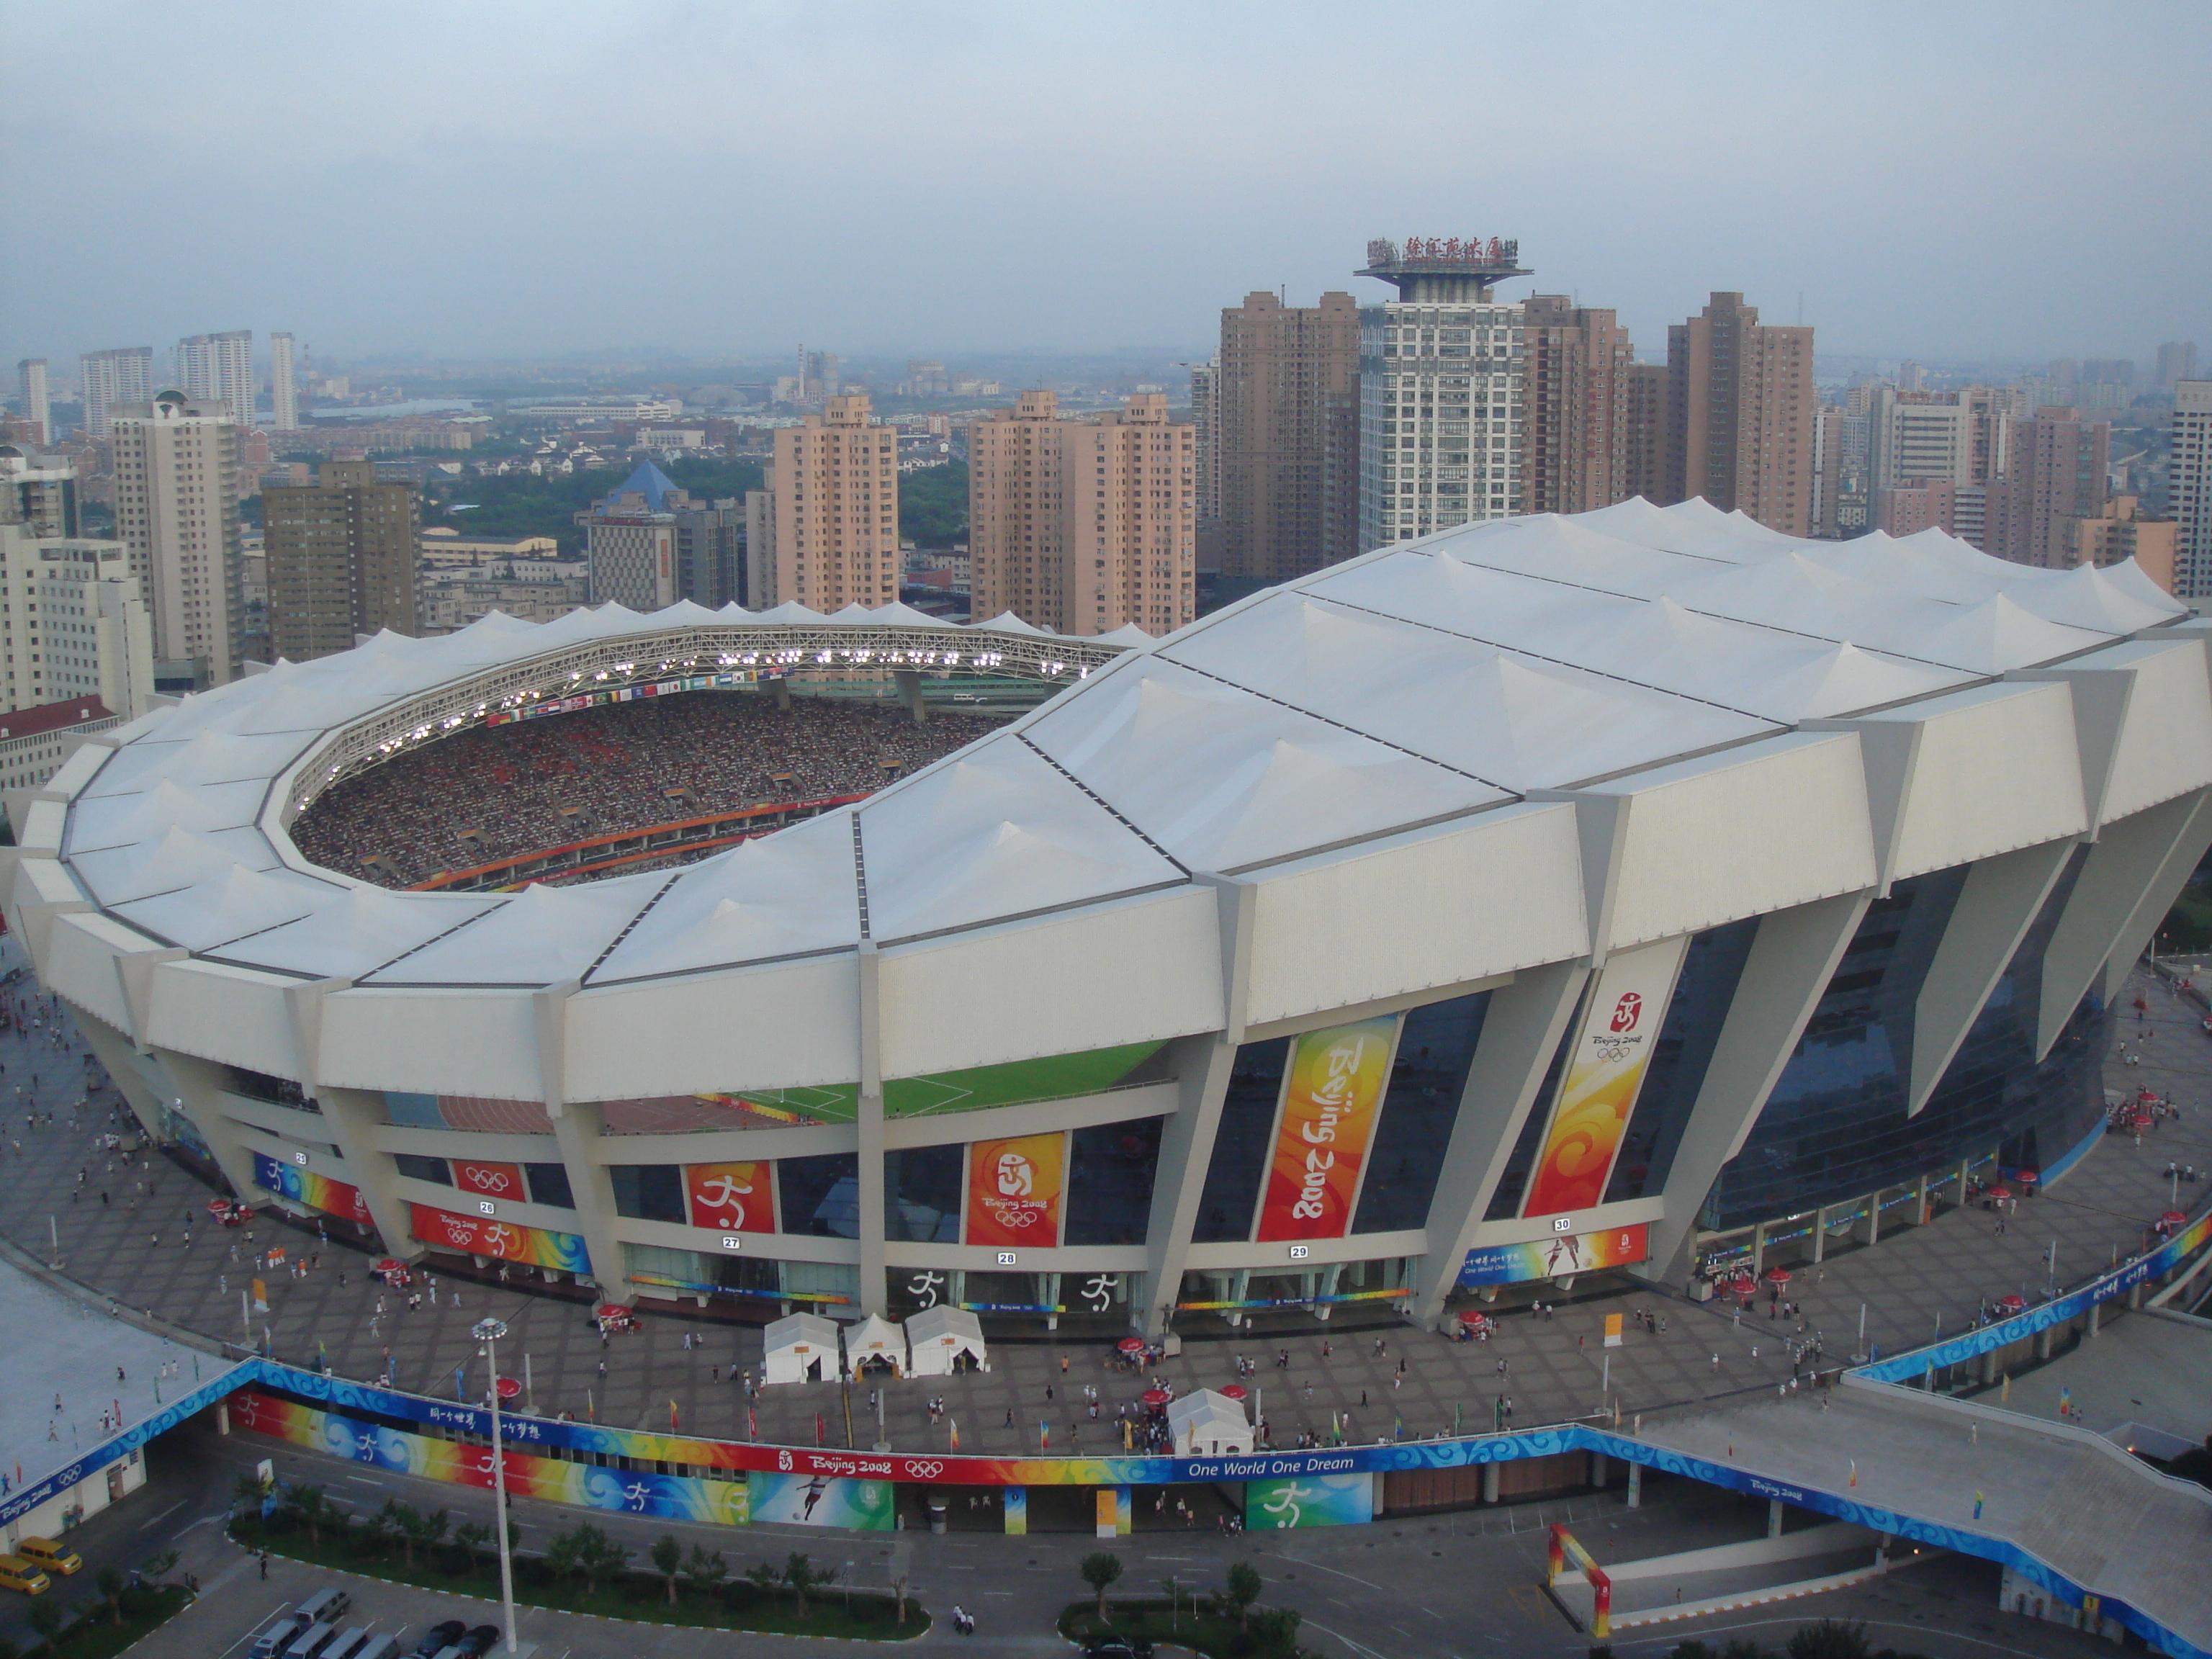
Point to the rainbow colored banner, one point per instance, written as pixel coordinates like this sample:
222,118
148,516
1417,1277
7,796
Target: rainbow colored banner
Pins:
555,1480
336,1198
502,1240
1332,1091
1620,1026
1555,1257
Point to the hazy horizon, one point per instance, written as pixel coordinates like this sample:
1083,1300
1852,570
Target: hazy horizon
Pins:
511,182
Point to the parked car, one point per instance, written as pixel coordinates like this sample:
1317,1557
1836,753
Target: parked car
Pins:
436,1639
480,1641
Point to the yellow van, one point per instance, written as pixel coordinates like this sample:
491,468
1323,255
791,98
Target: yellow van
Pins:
17,1574
54,1557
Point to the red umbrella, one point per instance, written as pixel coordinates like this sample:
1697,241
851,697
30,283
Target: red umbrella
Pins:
218,1206
1474,1317
2027,1177
2012,1304
1131,1344
1234,1391
2000,1191
509,1388
1778,1275
389,1264
1155,1398
2172,1219
611,1310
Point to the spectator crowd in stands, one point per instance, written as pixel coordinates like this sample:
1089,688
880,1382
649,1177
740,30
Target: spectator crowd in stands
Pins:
494,793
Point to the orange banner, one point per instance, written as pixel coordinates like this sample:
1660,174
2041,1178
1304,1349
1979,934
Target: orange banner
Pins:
731,1198
1611,1052
1014,1190
1332,1090
492,1180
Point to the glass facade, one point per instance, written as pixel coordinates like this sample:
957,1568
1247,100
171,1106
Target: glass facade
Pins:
922,1191
549,1184
1436,1046
1109,1181
648,1192
820,1195
1231,1194
1711,968
1505,1201
1835,1126
416,1167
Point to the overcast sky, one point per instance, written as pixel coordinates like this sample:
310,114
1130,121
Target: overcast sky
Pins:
1951,180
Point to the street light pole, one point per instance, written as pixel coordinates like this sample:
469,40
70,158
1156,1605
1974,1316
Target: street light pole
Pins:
487,1332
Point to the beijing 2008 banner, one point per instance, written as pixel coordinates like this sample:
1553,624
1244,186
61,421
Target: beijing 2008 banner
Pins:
1332,1088
441,1229
1014,1190
731,1198
1613,1050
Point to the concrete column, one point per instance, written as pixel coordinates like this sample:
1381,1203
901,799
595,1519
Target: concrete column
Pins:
1774,1517
2095,1310
2129,863
1990,1369
1820,1235
909,686
781,687
1874,1217
199,1097
354,1115
1490,1483
875,1290
1202,1066
112,1049
1998,903
1520,1033
1759,1249
1636,1486
1921,1196
2157,899
579,1132
1791,961
1598,1469
2043,1343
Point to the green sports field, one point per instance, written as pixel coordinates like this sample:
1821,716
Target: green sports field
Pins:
1054,1078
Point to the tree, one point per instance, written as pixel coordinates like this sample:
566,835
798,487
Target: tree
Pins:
468,1538
563,1554
1100,1569
597,1557
1831,1638
418,1529
1276,1629
110,1582
310,1507
47,1619
667,1560
158,1565
703,1570
247,1492
801,1575
1240,1590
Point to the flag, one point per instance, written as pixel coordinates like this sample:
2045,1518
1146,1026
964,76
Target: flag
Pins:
672,1423
1855,1471
819,1428
1044,1435
752,1424
956,1432
1397,1425
1977,1506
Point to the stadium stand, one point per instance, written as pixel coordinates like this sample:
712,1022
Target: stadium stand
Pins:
495,791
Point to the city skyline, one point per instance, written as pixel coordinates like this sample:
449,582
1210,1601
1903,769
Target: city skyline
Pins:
420,217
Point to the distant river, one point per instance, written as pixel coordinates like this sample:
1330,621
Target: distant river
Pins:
399,411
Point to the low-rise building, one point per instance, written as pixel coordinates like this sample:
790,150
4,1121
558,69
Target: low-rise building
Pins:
35,742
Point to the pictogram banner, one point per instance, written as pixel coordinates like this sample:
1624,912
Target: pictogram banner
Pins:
1332,1090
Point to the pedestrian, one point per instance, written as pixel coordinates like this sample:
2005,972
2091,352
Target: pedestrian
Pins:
264,1564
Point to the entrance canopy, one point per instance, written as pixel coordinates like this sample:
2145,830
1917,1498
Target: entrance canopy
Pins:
801,1349
939,1337
1207,1424
875,1338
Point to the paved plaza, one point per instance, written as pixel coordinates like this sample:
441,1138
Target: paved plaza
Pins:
123,1233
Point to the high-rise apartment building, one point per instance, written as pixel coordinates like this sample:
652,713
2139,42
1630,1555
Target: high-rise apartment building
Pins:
112,378
1083,526
1827,468
1915,437
1740,415
1288,418
2057,475
710,549
1205,439
283,384
1440,389
43,497
2177,362
1575,422
340,555
31,378
2121,533
1644,431
73,623
824,532
176,510
219,368
2189,488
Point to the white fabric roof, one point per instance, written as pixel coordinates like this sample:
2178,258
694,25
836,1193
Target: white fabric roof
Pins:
811,1329
1427,679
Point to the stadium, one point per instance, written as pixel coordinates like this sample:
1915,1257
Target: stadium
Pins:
1641,891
